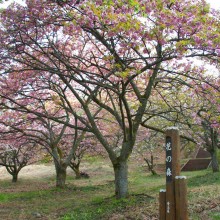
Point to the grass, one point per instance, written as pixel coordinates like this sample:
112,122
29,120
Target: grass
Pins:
93,198
100,207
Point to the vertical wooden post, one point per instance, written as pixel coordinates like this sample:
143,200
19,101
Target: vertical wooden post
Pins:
172,169
162,205
181,198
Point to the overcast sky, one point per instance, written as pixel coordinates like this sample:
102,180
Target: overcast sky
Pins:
214,3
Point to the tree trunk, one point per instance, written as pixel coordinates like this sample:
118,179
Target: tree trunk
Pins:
215,165
77,172
75,168
153,172
60,167
150,165
14,177
60,175
121,179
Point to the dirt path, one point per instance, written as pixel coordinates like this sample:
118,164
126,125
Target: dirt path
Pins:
32,172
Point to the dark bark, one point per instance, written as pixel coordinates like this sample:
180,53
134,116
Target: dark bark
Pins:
121,179
60,174
75,168
215,165
77,172
14,177
14,170
61,177
153,172
150,164
212,142
60,167
213,148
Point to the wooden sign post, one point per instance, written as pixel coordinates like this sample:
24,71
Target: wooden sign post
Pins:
180,198
172,146
162,204
172,169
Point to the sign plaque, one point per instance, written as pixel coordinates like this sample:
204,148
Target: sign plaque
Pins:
168,159
173,200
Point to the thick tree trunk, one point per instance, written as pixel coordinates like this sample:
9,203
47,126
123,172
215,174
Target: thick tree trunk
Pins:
60,175
14,177
121,179
77,172
215,165
60,167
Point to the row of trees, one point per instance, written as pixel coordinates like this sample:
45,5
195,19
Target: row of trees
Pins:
19,149
76,69
195,109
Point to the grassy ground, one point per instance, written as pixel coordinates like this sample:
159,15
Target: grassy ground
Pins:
35,197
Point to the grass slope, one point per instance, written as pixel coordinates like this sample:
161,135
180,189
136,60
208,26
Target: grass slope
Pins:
88,199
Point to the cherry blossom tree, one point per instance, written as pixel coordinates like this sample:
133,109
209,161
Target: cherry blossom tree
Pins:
107,56
16,152
88,146
194,107
148,143
208,117
57,139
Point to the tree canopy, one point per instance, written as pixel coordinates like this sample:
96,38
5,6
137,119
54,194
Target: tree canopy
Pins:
100,61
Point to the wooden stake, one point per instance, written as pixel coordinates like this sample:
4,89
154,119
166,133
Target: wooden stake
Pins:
181,198
162,204
172,169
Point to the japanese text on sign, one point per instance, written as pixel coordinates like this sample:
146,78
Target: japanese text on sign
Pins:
168,159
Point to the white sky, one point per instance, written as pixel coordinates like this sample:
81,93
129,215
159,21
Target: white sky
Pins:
214,3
